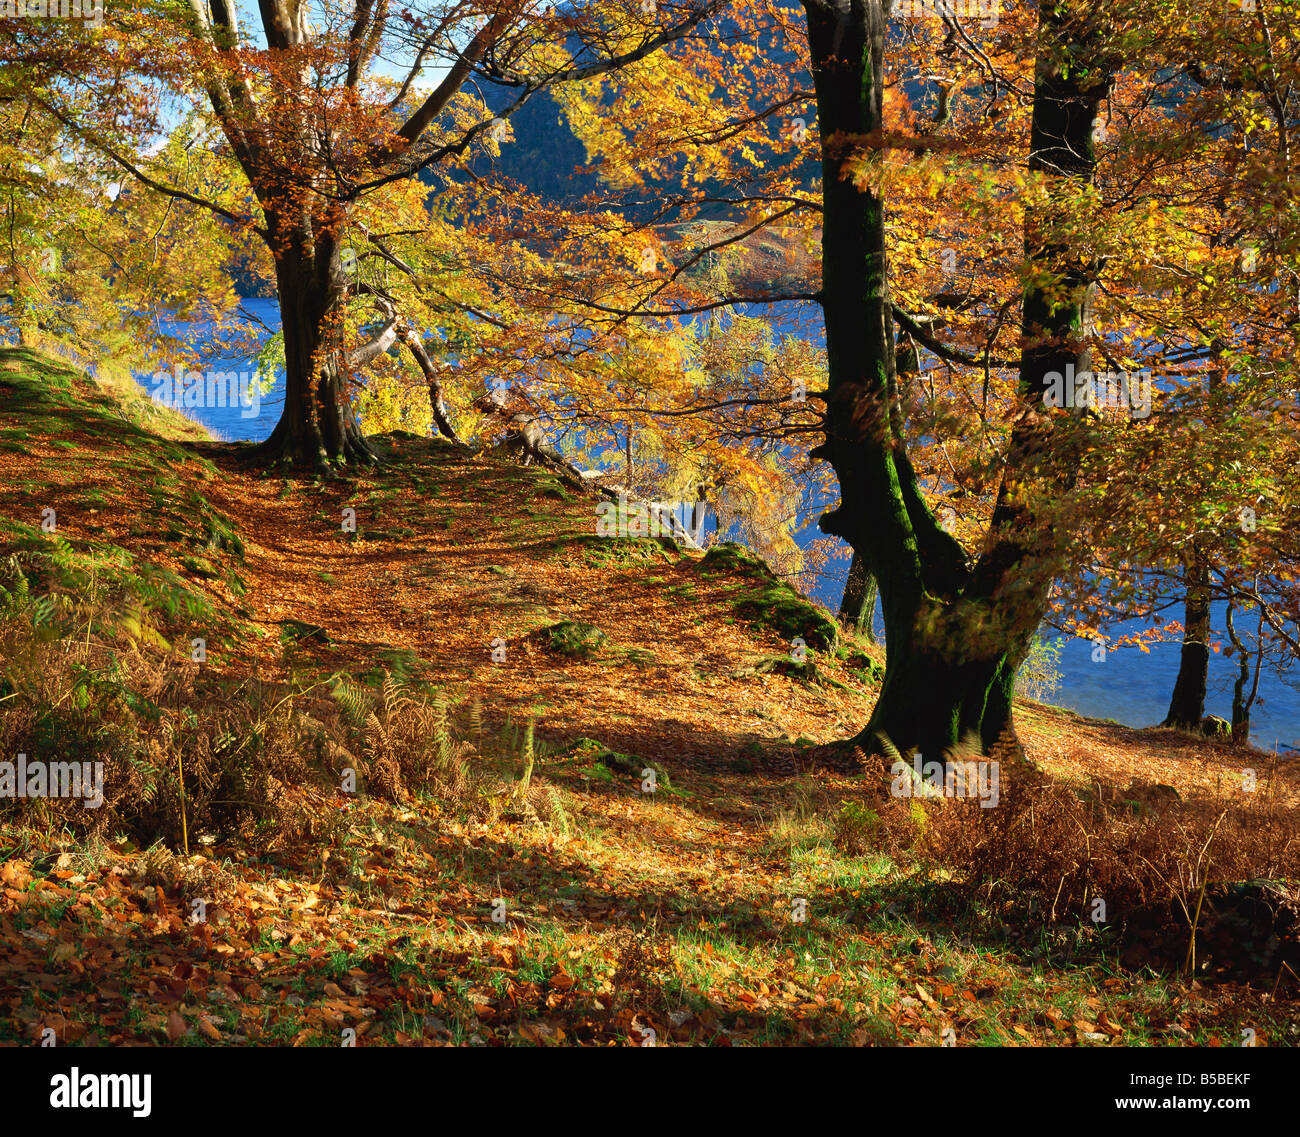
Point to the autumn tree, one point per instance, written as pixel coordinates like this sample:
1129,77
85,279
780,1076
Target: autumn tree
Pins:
1194,505
325,105
955,626
87,265
959,473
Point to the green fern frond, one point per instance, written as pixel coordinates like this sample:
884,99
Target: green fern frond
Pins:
526,753
352,698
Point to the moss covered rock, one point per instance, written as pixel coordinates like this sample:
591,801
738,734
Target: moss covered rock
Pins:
865,668
771,603
575,638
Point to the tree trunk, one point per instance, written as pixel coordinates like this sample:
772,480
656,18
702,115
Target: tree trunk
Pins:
1241,703
928,695
954,635
1023,555
948,683
1187,707
1240,706
858,607
316,426
699,511
437,405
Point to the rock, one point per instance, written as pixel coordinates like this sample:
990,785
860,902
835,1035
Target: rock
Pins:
1248,930
577,639
1212,726
1253,929
340,758
297,631
770,602
1150,797
867,668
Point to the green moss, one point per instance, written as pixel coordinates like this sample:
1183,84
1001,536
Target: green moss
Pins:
768,602
200,567
865,668
554,491
401,663
218,531
575,638
602,762
296,632
732,557
610,552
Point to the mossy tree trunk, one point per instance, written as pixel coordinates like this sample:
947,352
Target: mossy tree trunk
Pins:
1187,706
317,426
955,632
858,604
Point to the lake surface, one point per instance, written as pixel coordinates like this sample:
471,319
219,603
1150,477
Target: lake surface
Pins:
235,421
1131,687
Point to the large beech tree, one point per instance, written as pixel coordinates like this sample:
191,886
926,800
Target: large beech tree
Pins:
324,105
956,627
957,623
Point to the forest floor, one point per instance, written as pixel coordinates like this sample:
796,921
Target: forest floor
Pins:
554,899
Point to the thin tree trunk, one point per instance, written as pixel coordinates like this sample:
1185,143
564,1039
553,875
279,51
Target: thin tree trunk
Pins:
1241,704
1187,706
1240,708
858,607
437,405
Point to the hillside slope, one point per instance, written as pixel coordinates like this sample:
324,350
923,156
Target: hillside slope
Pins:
387,830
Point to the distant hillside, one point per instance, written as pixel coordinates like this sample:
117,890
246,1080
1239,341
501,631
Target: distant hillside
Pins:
544,155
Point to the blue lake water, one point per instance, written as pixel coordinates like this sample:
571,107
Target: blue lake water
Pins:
233,422
1131,687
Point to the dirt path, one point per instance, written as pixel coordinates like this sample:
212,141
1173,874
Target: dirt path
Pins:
428,574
